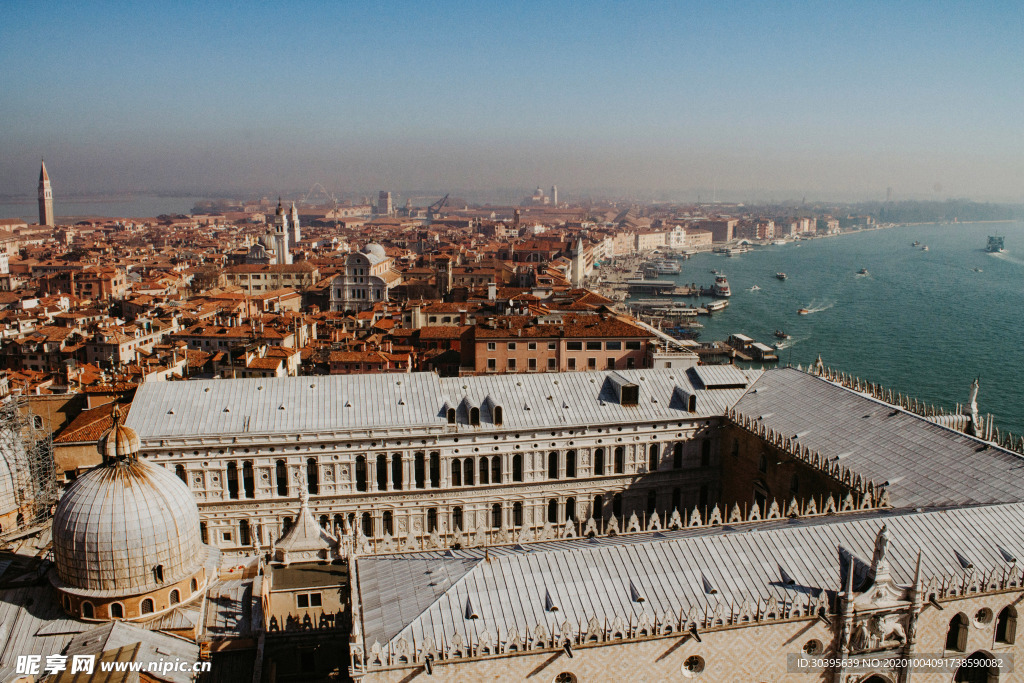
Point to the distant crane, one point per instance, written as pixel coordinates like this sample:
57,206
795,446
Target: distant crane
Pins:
323,190
435,208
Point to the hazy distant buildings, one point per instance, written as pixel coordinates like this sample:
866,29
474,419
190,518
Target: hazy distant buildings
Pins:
554,195
384,205
45,198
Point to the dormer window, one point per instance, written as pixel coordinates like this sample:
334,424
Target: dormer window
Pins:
474,416
158,573
451,416
498,415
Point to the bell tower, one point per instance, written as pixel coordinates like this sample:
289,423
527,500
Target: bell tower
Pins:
45,198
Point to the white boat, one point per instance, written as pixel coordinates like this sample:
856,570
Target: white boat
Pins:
755,288
664,266
721,287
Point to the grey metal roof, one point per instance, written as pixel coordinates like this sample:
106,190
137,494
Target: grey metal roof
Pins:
926,464
26,617
426,594
152,647
340,402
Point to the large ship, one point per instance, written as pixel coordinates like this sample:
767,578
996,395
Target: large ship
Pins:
721,287
995,244
663,266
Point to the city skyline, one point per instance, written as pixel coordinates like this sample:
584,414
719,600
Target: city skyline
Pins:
748,100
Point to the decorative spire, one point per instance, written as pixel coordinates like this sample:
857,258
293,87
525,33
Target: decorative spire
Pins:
43,175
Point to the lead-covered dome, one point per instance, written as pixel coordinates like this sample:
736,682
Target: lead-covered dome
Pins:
126,528
375,249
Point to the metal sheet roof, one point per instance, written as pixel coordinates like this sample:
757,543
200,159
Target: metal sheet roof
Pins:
426,594
926,464
340,402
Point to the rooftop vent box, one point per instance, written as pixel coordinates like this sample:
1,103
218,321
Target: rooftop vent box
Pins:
626,393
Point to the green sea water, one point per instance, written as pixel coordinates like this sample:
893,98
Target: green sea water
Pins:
924,323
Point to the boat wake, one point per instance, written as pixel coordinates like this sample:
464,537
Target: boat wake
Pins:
789,343
1003,256
815,307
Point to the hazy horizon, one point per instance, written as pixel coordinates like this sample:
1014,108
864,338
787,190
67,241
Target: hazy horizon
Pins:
741,102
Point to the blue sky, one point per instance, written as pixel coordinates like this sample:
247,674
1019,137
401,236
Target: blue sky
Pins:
792,98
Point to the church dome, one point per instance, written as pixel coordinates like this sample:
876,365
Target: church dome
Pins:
375,249
126,527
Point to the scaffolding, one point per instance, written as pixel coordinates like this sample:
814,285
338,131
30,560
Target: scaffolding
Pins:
26,448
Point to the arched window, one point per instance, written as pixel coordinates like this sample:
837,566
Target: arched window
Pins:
599,462
467,471
496,469
388,520
175,597
243,532
360,473
498,415
677,456
570,463
517,514
617,505
396,471
456,472
232,480
194,585
457,518
367,523
146,606
37,421
420,470
485,471
324,521
180,471
652,502
553,465
570,509
382,472
620,460
976,670
451,416
553,511
956,636
435,470
474,416
312,477
87,610
286,525
281,472
1006,626
431,520
158,573
598,508
652,465
116,610
496,516
517,467
338,524
248,479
